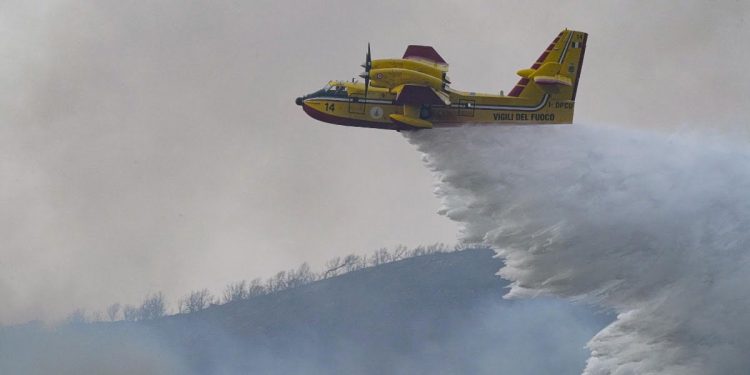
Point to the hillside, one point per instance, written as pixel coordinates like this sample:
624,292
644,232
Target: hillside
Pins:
440,313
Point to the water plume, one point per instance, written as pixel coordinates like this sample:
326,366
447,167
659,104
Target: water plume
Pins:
652,226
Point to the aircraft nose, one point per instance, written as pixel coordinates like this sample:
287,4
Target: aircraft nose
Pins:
298,101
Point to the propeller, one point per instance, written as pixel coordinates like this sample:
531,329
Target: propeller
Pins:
366,75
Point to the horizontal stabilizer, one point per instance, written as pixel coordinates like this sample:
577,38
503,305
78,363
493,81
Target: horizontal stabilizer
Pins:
423,53
553,80
548,69
420,95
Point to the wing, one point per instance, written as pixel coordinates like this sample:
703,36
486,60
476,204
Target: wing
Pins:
414,98
420,95
425,54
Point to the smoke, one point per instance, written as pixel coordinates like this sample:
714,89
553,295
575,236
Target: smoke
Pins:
35,349
541,336
652,226
434,314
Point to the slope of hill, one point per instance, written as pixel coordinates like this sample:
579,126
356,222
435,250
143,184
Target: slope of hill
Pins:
440,313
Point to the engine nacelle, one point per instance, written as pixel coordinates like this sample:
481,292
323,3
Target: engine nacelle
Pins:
435,70
393,77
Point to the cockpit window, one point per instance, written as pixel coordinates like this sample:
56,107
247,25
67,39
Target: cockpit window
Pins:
330,90
337,90
334,88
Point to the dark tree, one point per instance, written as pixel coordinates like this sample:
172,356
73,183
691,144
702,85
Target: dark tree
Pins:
195,301
153,307
236,291
256,288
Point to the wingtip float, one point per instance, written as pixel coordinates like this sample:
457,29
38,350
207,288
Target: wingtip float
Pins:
413,92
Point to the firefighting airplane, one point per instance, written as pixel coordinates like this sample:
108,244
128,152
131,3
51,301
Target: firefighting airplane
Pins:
412,93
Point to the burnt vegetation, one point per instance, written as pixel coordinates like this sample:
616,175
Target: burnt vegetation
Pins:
154,306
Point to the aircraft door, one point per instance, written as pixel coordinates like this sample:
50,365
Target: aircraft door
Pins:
356,105
466,108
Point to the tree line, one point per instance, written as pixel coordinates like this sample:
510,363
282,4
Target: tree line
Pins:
154,305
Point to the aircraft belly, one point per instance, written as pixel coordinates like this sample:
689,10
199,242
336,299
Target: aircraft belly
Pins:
373,115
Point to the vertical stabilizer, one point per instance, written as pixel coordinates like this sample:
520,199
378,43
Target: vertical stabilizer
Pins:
556,71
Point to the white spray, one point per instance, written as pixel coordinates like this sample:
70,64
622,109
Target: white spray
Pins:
654,227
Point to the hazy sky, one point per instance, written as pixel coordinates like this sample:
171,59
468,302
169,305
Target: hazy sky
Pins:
150,146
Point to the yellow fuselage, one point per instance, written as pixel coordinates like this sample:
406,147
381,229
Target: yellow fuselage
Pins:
413,93
465,107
